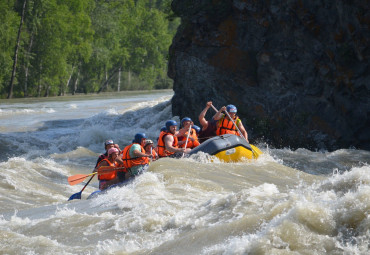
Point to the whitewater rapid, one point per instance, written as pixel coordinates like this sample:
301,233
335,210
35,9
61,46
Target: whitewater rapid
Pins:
286,202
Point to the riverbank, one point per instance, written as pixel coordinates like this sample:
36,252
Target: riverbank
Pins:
83,96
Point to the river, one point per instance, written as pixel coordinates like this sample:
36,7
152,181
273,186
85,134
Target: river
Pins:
285,202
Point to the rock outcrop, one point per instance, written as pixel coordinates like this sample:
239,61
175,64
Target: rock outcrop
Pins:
298,71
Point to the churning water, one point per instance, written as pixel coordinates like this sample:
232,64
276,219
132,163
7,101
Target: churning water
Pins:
286,202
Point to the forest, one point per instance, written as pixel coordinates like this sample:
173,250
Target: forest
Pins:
59,47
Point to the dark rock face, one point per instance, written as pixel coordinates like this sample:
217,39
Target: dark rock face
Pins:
298,71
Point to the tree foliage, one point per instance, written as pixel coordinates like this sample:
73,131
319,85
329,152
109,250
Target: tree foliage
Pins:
69,46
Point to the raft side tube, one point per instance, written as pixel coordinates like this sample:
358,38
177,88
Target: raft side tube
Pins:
221,143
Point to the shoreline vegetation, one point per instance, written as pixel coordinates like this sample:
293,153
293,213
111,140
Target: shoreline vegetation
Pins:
57,48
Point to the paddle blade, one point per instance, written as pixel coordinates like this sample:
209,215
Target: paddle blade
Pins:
78,178
256,152
78,195
75,196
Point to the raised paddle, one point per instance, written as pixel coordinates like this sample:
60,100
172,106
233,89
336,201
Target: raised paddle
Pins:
253,152
78,194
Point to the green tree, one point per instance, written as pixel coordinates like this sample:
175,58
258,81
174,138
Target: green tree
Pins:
85,45
109,51
9,22
148,41
62,41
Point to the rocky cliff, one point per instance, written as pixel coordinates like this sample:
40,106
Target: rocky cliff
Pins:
298,71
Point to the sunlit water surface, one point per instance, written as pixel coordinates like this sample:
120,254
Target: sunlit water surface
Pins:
286,202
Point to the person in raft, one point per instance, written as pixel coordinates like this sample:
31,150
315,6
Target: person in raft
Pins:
209,127
107,145
168,143
182,135
134,157
226,126
110,178
149,149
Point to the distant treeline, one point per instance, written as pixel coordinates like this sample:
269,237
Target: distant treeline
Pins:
54,47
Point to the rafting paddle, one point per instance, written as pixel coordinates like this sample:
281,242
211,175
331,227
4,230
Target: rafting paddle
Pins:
78,178
255,155
187,139
78,195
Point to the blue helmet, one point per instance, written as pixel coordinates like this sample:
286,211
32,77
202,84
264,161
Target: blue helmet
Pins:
170,123
163,128
197,128
138,137
185,119
231,108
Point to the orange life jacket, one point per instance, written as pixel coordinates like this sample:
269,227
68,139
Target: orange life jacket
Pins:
154,154
129,162
162,152
110,175
226,126
190,143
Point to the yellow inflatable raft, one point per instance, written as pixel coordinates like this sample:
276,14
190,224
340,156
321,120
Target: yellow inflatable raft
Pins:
229,148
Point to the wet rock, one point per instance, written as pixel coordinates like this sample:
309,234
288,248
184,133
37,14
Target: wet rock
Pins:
298,71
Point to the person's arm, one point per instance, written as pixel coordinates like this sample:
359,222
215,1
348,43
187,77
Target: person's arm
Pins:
97,163
119,159
181,132
242,130
202,115
117,147
219,114
138,153
168,141
104,163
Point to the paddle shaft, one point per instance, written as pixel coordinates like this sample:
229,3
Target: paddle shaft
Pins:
78,178
214,108
78,194
87,183
187,139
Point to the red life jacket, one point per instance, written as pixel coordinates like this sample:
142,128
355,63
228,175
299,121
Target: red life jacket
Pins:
162,152
226,126
129,162
110,175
